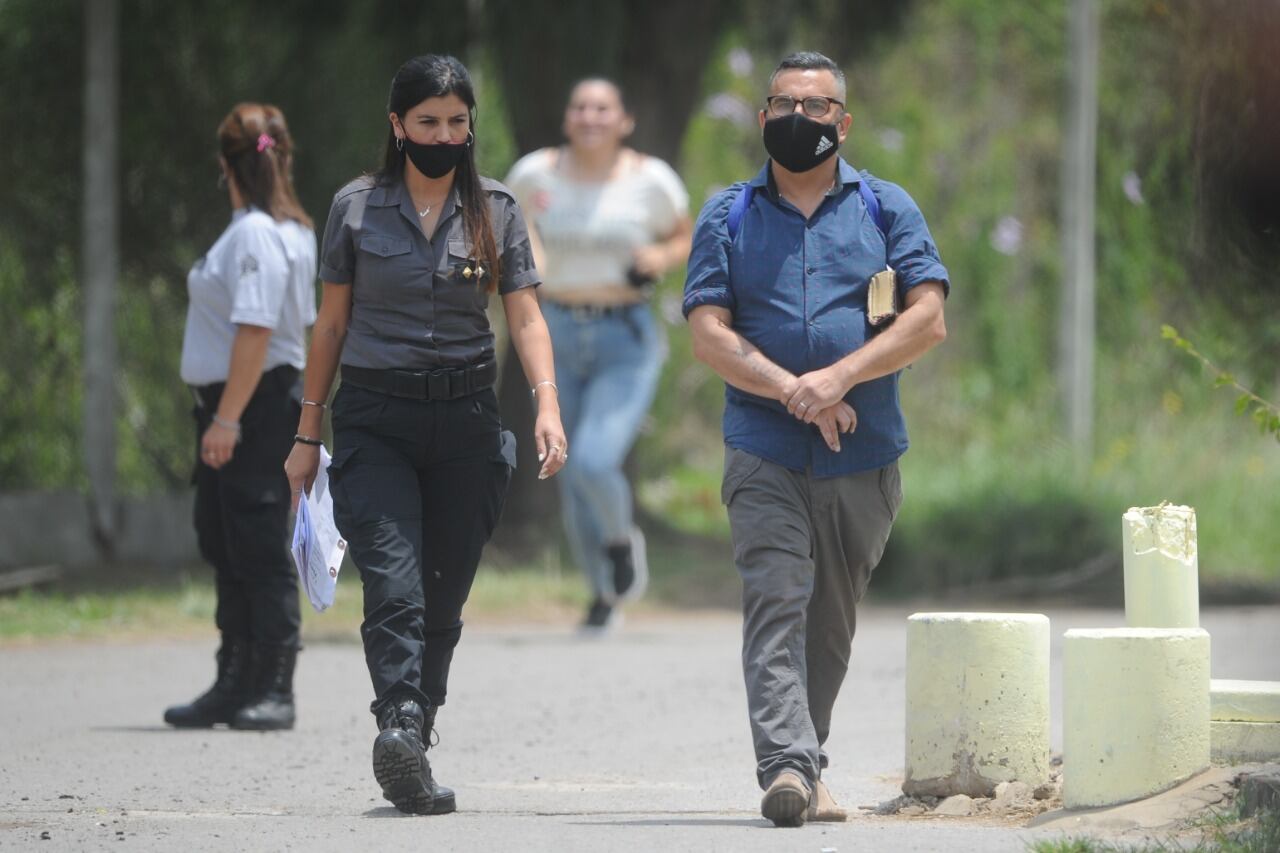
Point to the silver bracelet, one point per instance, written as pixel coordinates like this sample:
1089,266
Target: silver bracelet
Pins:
231,425
534,389
307,402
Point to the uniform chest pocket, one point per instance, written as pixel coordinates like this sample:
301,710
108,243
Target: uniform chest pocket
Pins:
383,246
463,267
386,263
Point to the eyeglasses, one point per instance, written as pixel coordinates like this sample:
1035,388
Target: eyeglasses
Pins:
815,106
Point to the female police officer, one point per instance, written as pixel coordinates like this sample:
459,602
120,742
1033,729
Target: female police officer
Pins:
421,463
252,297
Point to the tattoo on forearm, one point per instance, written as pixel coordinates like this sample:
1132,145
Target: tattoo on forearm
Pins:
755,361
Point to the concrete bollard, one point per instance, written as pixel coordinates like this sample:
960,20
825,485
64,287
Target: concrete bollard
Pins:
1240,743
1244,701
1136,712
1161,567
977,702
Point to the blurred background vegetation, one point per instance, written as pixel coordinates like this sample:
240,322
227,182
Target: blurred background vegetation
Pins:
960,101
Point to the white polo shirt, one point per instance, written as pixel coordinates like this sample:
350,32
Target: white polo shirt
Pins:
260,272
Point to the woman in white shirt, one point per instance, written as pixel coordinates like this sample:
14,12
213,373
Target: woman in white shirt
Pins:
252,297
606,221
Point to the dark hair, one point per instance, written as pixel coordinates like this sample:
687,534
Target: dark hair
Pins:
810,60
261,167
432,76
595,78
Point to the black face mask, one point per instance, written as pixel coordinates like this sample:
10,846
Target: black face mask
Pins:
798,143
434,161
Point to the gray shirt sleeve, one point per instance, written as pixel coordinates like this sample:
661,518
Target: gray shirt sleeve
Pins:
518,269
337,252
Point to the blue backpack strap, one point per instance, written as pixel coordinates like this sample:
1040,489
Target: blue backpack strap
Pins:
873,207
739,209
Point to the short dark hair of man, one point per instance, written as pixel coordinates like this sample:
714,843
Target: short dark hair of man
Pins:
810,60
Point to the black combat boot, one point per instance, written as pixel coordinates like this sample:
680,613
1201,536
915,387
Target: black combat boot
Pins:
228,694
271,705
400,761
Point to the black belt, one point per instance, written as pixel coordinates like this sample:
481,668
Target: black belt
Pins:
586,313
208,396
443,384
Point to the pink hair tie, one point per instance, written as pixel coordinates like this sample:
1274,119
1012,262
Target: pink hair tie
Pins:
265,141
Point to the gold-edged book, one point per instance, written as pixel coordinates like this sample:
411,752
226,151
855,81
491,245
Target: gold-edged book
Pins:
882,298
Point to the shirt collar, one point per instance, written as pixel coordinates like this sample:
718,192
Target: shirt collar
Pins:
395,194
845,174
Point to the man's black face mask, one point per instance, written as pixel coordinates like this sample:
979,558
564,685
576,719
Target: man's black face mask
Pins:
798,143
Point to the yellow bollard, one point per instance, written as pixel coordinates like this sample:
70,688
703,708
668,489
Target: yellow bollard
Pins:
1161,567
977,702
1136,712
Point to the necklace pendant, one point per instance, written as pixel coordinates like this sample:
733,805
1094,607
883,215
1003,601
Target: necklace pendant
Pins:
422,214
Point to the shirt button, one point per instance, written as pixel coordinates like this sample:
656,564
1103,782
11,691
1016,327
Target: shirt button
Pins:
809,270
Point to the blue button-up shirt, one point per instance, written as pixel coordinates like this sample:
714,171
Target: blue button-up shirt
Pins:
797,289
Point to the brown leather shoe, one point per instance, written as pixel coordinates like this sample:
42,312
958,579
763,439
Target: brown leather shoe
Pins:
787,800
823,808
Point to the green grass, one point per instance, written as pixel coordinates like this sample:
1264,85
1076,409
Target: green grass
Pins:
147,604
1224,832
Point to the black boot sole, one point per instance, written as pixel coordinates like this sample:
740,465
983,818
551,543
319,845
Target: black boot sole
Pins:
180,721
401,768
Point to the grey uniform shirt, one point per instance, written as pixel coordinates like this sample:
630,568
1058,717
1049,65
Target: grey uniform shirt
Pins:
411,305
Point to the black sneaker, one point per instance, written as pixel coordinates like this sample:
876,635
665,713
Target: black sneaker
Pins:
624,569
630,567
601,619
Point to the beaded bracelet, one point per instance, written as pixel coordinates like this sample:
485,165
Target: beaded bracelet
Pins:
306,439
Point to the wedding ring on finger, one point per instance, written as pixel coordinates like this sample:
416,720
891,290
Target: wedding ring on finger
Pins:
802,405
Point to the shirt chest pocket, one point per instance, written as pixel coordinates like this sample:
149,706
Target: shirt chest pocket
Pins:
387,263
464,278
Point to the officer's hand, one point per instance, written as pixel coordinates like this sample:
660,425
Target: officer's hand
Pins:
816,391
553,447
218,445
301,468
650,260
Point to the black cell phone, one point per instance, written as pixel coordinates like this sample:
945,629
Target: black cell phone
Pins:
637,279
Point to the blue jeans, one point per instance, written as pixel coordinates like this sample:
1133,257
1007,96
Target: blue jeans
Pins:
607,369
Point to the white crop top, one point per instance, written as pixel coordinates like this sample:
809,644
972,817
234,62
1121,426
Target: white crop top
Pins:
589,230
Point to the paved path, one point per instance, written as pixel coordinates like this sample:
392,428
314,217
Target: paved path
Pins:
635,743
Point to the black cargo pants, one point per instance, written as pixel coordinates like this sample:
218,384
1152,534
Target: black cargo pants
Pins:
418,486
242,514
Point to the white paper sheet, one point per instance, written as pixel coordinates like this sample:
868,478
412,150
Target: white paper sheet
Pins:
318,548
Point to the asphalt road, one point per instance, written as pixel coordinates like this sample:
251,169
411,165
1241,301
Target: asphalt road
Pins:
637,742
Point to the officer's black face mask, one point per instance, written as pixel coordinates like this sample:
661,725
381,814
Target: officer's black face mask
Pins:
798,143
434,161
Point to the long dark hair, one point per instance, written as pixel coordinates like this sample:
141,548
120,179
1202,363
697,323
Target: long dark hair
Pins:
432,76
255,141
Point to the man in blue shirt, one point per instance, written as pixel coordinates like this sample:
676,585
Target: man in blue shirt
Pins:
776,300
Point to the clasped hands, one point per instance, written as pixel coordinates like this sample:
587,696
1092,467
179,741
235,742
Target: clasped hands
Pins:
817,398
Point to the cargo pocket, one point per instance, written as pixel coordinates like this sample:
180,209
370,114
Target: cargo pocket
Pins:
502,464
338,467
891,488
738,466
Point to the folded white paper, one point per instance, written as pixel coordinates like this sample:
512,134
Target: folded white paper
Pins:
318,548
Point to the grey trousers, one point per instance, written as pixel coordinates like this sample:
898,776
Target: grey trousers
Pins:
805,549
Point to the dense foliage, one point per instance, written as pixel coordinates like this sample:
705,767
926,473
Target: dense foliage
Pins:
960,101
